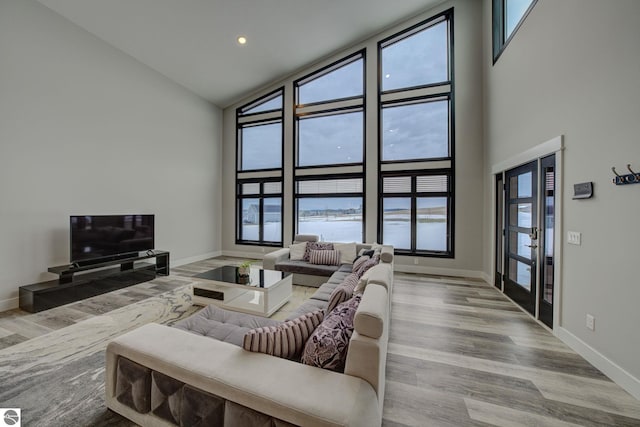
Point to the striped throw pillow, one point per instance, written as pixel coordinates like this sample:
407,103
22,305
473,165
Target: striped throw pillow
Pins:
285,340
359,262
343,291
367,265
326,257
316,246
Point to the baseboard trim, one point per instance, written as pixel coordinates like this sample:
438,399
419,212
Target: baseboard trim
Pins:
246,255
486,277
9,304
196,258
439,271
621,377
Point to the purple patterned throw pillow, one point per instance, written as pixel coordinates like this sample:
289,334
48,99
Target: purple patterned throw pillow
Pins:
328,345
317,246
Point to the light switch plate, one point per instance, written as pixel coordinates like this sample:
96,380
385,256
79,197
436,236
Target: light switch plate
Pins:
574,237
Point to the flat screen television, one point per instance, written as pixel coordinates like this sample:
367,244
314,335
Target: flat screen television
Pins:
97,238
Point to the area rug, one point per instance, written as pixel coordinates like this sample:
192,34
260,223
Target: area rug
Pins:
58,379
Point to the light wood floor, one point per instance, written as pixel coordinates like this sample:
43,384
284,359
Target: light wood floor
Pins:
460,354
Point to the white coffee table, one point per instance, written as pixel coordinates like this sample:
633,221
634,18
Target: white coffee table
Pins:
262,293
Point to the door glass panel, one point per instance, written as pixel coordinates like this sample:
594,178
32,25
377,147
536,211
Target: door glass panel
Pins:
513,187
549,222
520,273
521,242
524,185
520,215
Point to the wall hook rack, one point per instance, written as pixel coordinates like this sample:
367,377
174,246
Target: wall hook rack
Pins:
630,178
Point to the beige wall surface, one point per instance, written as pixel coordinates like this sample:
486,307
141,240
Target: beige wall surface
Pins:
468,146
86,129
572,69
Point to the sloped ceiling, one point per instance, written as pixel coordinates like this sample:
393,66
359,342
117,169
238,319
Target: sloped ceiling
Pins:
194,42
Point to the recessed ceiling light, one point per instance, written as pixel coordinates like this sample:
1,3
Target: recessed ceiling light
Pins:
242,40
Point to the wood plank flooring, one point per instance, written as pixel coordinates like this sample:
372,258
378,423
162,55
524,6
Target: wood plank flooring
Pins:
460,354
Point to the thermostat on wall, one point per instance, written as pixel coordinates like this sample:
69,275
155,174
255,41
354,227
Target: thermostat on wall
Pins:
584,190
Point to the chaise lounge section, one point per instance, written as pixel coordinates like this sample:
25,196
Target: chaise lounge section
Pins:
197,373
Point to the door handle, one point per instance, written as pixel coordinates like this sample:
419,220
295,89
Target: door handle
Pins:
532,246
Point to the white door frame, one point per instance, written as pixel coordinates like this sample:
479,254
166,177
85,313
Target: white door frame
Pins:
553,146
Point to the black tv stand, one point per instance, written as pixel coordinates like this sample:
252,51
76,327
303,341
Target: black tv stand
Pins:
69,288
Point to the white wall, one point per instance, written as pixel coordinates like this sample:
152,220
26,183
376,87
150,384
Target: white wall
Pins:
468,146
573,69
86,129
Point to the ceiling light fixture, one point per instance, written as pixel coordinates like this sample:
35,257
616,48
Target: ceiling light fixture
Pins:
242,40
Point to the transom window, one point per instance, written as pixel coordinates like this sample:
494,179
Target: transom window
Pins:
508,15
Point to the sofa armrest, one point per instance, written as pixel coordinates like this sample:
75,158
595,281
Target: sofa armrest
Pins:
287,390
272,258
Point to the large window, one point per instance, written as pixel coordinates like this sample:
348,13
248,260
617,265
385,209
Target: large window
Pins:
259,171
331,208
416,139
507,18
329,162
416,212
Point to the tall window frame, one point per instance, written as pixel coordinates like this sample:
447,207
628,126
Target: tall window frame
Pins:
351,166
266,110
503,31
436,88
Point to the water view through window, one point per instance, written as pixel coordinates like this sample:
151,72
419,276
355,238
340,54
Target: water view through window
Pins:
335,219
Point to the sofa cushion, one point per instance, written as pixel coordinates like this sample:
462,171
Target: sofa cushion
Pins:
297,250
223,325
339,276
325,257
347,252
369,320
307,307
303,267
305,238
327,347
343,291
285,340
318,246
324,292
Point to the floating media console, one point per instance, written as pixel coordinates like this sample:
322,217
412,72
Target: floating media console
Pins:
71,287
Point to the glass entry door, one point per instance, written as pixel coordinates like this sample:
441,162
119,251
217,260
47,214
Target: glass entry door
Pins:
547,234
521,240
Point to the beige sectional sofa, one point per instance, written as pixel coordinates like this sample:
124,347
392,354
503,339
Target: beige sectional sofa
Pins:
188,375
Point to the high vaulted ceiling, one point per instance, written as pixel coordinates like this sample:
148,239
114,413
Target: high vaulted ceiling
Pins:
194,42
